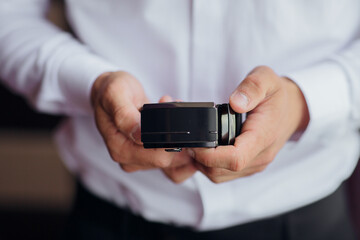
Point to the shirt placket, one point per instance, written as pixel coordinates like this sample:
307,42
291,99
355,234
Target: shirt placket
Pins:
206,49
207,55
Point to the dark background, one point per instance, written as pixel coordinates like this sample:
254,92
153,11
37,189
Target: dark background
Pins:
26,222
18,115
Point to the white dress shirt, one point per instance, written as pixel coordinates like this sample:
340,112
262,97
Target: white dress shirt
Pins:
195,50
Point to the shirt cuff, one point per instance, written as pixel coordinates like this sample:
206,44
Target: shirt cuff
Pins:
326,91
77,75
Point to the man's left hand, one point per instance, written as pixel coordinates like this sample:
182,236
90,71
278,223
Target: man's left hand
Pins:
276,110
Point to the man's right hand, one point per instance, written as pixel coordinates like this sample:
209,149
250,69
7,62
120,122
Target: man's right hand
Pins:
116,98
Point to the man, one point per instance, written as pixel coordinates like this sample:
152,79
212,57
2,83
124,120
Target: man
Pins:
299,141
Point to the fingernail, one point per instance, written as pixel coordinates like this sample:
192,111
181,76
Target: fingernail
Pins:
135,134
191,152
240,99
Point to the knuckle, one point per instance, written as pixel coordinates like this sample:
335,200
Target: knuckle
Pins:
199,156
212,172
122,75
124,119
173,175
260,169
208,158
115,156
180,160
270,156
108,89
116,153
206,161
267,158
128,168
162,163
176,179
237,164
108,92
262,160
215,180
264,68
120,114
254,84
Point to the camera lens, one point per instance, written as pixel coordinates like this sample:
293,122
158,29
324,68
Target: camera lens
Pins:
229,124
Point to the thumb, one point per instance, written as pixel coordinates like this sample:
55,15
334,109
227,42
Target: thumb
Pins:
127,121
118,95
124,114
259,84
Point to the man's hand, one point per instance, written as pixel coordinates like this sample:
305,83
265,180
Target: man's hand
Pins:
276,109
117,98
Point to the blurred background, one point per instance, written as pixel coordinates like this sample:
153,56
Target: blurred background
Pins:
35,188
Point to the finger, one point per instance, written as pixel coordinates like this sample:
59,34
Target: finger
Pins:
107,129
259,84
181,173
129,168
211,171
114,139
127,120
252,171
131,153
233,158
122,103
165,98
219,175
216,175
219,157
125,151
181,158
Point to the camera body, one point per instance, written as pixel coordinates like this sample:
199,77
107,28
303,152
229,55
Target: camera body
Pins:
176,125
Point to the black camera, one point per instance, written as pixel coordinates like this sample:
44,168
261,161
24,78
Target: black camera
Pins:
176,125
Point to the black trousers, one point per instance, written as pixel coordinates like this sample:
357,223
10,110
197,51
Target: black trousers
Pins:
94,218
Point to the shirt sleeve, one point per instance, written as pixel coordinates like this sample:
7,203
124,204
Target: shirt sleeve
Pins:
48,66
332,92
